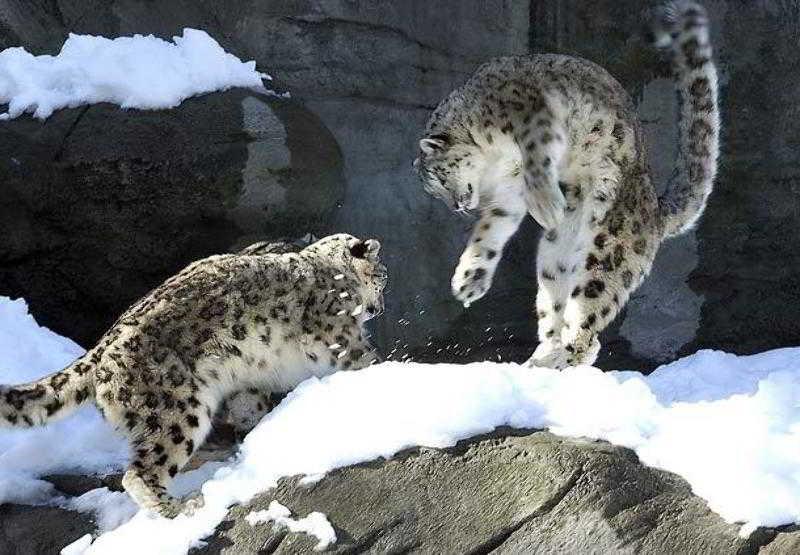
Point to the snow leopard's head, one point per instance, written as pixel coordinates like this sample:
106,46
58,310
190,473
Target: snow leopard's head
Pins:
450,170
360,261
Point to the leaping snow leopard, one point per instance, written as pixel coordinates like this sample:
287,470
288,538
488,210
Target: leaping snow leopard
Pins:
255,319
558,137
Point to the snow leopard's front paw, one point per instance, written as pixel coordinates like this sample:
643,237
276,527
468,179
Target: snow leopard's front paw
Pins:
192,504
471,280
549,355
547,208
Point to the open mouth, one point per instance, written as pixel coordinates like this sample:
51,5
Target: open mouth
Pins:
463,202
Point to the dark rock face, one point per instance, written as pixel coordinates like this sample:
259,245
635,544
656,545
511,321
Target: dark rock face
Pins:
39,530
102,204
535,493
99,204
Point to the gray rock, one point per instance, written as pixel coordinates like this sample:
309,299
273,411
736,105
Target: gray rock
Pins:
40,530
532,493
75,485
511,491
785,543
98,204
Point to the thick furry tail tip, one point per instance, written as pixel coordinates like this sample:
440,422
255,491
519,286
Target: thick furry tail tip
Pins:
670,20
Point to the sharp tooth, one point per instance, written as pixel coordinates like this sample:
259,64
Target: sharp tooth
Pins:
357,310
334,346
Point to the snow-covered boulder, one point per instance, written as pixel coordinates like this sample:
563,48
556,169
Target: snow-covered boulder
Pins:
529,493
513,491
704,460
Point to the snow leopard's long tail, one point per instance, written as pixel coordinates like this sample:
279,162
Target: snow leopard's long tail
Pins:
52,397
682,28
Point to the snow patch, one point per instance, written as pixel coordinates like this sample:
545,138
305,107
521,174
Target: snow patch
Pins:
692,417
110,508
134,72
315,524
79,546
82,442
730,425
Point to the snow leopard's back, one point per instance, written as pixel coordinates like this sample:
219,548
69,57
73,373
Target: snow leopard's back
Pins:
581,85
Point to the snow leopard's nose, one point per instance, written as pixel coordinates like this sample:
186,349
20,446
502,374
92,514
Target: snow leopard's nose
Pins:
464,200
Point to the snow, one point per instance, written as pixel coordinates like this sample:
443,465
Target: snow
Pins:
81,442
730,425
315,524
134,72
110,508
78,546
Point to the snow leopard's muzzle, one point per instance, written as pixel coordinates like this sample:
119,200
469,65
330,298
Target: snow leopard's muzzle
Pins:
380,277
372,272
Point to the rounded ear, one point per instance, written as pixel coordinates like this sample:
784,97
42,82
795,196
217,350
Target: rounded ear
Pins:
431,144
365,249
373,246
358,249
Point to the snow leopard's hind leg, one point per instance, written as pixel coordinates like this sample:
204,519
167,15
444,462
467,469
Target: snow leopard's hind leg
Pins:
551,297
559,256
158,458
612,258
165,432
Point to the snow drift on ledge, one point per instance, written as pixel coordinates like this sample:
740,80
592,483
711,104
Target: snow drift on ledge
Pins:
134,72
730,425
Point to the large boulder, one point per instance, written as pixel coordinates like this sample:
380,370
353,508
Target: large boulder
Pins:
531,493
511,491
98,204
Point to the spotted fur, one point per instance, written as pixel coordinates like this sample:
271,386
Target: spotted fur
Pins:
256,321
245,408
558,138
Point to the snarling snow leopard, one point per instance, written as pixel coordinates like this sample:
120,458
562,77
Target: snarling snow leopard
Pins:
558,137
224,323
